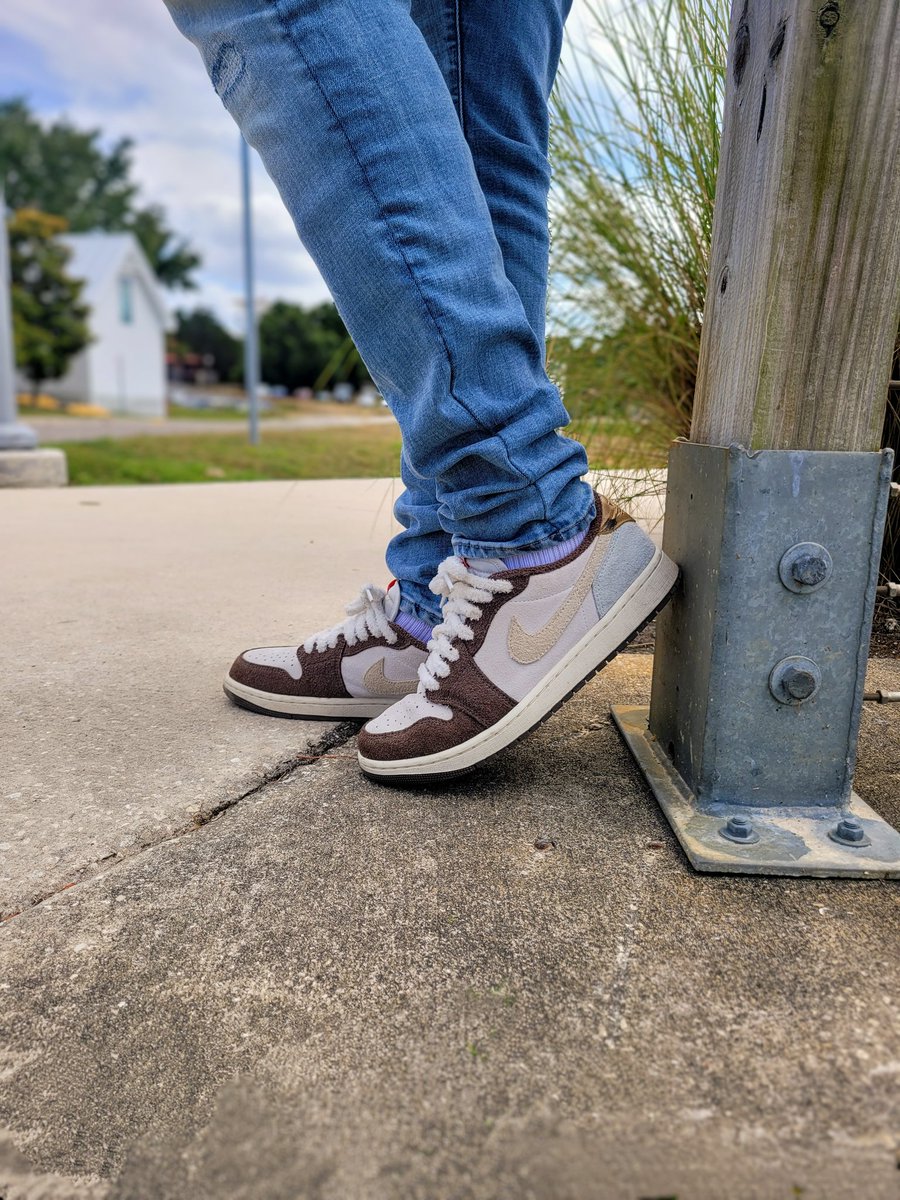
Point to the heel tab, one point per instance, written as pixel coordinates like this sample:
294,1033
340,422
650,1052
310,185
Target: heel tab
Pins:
610,516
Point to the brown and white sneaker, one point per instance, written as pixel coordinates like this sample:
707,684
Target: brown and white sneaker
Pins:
513,645
356,669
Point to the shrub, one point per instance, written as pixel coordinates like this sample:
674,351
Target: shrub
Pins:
636,148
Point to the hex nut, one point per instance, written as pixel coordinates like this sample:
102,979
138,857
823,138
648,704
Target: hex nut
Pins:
809,569
849,831
798,683
739,829
805,567
794,680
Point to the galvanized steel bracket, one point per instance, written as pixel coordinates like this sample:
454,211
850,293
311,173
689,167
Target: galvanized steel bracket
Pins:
760,661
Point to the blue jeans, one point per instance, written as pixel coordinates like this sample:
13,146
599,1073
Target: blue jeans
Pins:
408,140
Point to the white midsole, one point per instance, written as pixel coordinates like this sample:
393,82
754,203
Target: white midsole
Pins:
633,607
310,706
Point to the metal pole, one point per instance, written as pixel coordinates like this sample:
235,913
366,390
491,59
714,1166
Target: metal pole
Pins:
251,350
13,434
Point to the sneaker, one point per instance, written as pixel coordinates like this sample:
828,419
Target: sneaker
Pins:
356,669
513,645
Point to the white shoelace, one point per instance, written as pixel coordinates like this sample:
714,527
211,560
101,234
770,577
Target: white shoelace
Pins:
464,592
365,618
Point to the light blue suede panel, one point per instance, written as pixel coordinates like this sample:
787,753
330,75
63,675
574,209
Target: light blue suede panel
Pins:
629,554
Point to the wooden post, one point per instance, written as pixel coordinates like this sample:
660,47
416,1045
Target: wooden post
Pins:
804,288
776,506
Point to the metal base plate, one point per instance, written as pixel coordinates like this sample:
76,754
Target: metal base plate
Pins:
790,841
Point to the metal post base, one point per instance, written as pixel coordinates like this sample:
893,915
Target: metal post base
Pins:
16,436
766,840
759,673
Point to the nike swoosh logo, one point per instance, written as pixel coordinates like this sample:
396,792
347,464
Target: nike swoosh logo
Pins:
376,681
527,647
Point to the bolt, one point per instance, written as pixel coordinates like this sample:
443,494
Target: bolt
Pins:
805,567
738,829
798,683
794,679
849,831
809,569
739,826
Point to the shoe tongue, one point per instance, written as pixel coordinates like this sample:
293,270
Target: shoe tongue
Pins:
485,566
392,600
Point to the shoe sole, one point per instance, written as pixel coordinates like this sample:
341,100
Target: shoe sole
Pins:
636,608
271,704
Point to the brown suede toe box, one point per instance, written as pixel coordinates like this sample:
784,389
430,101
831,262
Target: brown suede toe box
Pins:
428,736
320,674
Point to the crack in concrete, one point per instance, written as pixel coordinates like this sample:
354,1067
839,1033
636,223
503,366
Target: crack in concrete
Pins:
339,736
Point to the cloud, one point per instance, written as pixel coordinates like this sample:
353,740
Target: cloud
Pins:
126,70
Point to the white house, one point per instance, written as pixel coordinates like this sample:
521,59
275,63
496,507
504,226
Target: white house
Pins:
124,367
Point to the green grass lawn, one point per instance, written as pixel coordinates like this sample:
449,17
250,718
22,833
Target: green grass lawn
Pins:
334,453
367,452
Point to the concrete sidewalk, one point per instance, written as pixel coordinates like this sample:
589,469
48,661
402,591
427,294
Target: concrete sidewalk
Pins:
238,970
123,607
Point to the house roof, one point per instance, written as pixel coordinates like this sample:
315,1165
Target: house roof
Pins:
98,257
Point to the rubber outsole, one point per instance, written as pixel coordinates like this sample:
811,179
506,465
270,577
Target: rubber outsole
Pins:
426,779
335,713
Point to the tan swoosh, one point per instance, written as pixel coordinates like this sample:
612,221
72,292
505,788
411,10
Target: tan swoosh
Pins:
376,681
527,647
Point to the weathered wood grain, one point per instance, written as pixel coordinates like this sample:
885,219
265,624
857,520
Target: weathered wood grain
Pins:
804,288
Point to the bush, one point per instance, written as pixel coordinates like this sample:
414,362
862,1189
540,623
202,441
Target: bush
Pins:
636,138
636,149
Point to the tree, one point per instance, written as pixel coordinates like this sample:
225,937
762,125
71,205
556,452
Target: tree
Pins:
171,257
297,345
200,332
49,319
65,171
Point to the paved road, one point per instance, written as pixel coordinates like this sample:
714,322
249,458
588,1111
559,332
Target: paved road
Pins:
53,430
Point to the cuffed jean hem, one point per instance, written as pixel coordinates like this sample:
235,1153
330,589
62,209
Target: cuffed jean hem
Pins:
470,549
411,597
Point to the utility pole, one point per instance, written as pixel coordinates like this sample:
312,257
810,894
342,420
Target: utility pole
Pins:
776,506
251,346
21,463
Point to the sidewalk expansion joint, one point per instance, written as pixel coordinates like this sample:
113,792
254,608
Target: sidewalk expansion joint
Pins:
319,750
339,736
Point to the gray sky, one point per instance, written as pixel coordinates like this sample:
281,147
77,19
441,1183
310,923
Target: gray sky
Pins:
125,69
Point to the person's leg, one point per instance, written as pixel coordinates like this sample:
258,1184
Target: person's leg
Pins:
354,122
415,553
499,73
